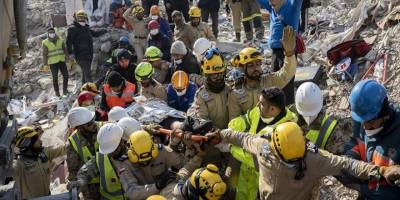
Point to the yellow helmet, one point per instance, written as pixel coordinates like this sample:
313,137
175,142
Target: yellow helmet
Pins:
247,55
213,62
288,141
194,12
156,197
137,10
90,87
80,14
24,133
208,183
141,147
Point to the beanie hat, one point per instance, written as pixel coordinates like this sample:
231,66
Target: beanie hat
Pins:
178,47
114,79
123,54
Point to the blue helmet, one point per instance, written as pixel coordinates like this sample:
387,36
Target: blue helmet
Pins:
366,100
124,40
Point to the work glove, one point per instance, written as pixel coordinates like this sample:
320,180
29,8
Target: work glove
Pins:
223,147
227,9
289,41
197,126
152,128
214,137
391,174
164,179
71,56
45,68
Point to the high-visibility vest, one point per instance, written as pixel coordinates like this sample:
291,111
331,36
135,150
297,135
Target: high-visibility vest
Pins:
55,51
127,95
247,185
110,186
320,137
83,151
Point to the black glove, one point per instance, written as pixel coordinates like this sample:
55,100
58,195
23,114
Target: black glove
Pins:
197,126
227,9
164,179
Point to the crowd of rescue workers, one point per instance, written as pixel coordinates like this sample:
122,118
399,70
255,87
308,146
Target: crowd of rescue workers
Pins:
247,134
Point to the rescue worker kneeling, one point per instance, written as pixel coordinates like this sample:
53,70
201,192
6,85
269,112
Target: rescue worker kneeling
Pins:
289,168
116,92
106,163
81,146
31,168
150,167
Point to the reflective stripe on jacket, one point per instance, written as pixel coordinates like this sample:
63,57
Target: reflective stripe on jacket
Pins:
320,137
110,186
55,51
127,95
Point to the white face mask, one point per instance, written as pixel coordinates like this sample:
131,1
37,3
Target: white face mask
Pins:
154,32
373,131
267,120
310,119
178,61
115,93
91,108
82,23
52,35
181,93
154,17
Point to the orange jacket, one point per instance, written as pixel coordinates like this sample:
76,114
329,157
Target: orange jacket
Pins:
114,100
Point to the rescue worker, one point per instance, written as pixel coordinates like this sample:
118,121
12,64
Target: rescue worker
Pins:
159,40
235,8
123,43
149,87
200,47
262,119
184,60
149,168
179,5
80,44
116,113
153,55
116,92
203,183
124,66
375,135
55,54
210,8
289,168
199,29
138,38
180,92
117,9
164,25
96,11
252,18
87,100
319,126
249,61
92,88
147,4
282,13
182,30
105,164
211,99
32,164
81,146
129,125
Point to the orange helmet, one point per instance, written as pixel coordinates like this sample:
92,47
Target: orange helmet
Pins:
180,80
154,10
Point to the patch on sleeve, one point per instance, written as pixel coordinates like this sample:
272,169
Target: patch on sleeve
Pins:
121,170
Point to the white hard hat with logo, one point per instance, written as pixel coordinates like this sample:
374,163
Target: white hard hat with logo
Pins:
109,137
79,116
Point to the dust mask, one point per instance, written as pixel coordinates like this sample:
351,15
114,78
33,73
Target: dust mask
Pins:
52,35
115,93
178,61
373,131
154,32
181,93
91,108
310,119
82,23
154,17
267,120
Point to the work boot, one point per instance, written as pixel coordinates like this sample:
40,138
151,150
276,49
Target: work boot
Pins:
237,39
57,93
249,37
197,126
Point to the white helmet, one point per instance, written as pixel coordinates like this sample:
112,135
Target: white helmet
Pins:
116,113
309,99
79,116
129,125
109,137
200,46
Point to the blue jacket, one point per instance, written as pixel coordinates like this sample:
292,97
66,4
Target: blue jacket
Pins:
289,15
164,28
181,103
382,149
162,42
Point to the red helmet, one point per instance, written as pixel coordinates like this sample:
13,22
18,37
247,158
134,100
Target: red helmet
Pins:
84,96
153,24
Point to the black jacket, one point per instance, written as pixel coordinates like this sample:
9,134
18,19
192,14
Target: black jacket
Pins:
80,41
211,5
189,65
162,42
128,74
